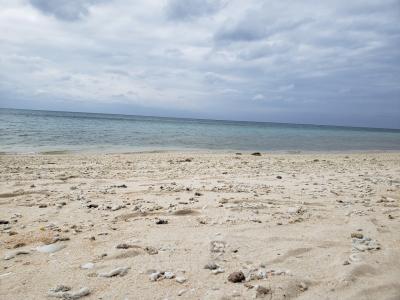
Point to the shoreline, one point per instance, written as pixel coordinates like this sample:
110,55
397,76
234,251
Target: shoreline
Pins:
195,151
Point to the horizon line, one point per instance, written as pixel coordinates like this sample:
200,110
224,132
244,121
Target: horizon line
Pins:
205,119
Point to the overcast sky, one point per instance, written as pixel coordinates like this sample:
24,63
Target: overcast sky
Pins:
323,62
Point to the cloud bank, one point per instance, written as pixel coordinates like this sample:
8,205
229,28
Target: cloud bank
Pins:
333,62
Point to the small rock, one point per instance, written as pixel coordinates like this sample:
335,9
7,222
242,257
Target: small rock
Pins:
123,246
169,275
211,266
218,271
50,248
236,277
60,292
261,291
116,272
87,266
161,221
151,250
256,154
278,177
92,205
357,235
155,276
180,279
3,222
181,292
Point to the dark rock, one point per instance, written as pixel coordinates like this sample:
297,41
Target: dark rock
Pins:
279,177
236,277
4,222
198,194
161,221
122,186
256,154
92,205
42,205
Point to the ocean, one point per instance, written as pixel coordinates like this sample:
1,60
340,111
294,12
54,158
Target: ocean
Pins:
33,131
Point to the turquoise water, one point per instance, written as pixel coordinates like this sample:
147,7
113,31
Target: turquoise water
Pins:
38,131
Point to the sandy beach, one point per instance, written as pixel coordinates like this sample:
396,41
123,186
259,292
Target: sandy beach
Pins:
199,225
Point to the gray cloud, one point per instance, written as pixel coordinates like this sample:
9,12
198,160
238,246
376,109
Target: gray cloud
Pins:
67,10
286,61
188,9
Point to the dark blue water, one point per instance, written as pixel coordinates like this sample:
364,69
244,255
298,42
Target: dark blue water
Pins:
39,131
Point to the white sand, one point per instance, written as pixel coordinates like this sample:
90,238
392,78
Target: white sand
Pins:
245,219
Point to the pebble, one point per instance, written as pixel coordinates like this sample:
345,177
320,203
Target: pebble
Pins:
50,248
261,291
180,279
236,277
256,154
211,266
121,271
155,276
169,275
63,292
357,235
218,271
14,254
161,221
3,222
87,266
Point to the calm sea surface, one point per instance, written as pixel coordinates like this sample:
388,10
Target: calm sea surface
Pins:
41,131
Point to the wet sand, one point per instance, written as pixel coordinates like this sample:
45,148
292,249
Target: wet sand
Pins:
176,225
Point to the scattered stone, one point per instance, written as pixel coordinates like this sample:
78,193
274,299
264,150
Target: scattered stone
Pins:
357,235
92,205
236,277
161,221
278,177
151,250
50,248
87,266
365,243
181,292
169,275
14,254
63,292
122,186
218,271
155,276
3,222
123,246
42,205
121,271
256,154
198,194
180,279
261,291
211,266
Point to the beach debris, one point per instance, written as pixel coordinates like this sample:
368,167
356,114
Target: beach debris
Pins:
256,154
124,246
161,221
217,246
50,248
169,275
364,244
64,292
87,266
121,271
236,277
218,271
155,276
180,279
181,292
357,235
14,254
151,250
261,291
211,266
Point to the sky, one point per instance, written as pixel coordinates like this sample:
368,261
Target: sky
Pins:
317,62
